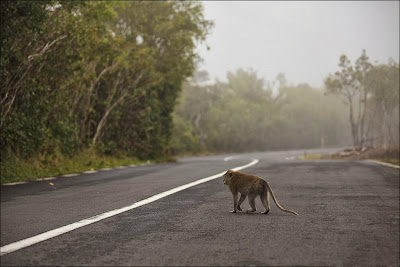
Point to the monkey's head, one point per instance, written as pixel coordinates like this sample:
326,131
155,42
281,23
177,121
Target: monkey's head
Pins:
228,177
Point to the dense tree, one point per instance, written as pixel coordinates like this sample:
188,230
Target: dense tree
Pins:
382,81
102,75
349,83
368,90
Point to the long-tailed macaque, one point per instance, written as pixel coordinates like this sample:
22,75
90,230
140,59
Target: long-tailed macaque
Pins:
251,186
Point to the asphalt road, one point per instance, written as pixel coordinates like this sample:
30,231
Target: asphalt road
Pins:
348,216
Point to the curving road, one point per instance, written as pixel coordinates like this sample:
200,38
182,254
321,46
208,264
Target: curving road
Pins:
348,215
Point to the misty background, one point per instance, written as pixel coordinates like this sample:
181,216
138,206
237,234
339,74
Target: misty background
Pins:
265,78
302,39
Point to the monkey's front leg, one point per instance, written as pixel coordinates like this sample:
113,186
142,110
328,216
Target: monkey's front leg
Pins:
242,198
235,202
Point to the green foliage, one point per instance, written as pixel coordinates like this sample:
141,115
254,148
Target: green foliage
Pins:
184,140
101,75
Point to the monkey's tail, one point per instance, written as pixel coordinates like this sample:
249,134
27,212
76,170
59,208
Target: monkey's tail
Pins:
276,202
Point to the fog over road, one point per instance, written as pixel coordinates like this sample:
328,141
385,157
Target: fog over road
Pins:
348,215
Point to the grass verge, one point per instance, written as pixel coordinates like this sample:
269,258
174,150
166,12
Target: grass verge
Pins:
311,157
14,169
390,156
390,161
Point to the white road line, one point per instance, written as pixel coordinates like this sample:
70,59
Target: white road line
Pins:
16,183
48,178
384,163
70,227
92,171
70,175
230,157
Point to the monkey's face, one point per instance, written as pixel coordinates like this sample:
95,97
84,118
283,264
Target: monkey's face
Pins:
227,177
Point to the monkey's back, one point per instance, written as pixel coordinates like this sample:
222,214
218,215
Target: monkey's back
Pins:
246,183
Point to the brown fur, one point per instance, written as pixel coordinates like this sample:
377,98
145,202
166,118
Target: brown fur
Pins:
250,186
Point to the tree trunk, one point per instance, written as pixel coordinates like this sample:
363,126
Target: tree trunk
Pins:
354,126
362,133
100,127
384,133
104,118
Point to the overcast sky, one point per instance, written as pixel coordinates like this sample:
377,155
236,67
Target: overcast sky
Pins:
303,40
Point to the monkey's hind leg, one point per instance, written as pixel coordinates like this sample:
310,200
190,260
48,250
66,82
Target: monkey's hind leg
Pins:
265,201
252,203
242,198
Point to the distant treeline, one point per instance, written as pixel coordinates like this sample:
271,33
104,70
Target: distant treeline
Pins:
246,114
359,106
101,75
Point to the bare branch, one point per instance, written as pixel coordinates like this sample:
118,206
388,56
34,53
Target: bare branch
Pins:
45,48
